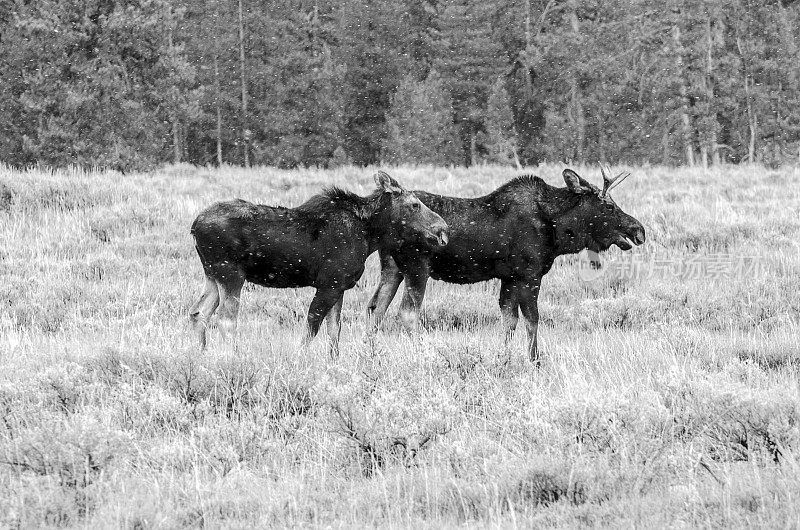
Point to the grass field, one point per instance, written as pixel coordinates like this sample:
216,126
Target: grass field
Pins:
668,394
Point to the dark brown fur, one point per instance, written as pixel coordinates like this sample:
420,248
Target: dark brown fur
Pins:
322,243
513,234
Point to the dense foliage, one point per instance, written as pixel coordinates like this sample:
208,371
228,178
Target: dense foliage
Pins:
133,83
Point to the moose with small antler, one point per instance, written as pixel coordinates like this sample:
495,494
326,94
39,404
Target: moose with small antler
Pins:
514,234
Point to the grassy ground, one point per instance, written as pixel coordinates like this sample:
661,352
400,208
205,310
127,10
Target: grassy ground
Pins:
668,396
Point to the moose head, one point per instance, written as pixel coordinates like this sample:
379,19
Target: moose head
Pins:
409,219
596,222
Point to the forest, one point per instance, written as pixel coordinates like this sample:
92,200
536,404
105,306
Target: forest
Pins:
133,84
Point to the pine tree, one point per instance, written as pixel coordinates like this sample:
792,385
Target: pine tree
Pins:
210,32
16,123
295,84
175,85
420,124
469,60
305,122
371,37
501,136
90,71
125,83
518,27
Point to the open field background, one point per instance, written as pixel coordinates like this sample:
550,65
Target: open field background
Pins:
662,400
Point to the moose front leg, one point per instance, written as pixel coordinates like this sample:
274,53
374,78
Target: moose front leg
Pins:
416,282
324,300
529,304
509,309
334,321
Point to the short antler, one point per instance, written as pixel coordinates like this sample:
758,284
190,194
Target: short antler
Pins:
609,183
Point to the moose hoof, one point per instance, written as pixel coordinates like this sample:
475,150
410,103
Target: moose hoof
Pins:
409,319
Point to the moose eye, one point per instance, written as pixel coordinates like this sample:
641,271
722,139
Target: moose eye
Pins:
608,207
415,206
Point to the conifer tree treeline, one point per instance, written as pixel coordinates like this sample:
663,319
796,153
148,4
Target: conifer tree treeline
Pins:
136,83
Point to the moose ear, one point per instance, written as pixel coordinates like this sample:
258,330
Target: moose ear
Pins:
575,183
387,183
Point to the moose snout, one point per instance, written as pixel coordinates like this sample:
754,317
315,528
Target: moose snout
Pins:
443,235
438,235
638,235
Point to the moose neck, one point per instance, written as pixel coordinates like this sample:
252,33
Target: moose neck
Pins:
555,202
557,205
569,238
371,212
377,221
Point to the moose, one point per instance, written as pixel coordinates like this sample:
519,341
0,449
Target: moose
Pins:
322,243
513,234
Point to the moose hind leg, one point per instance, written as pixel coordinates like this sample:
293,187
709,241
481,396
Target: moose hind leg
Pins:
391,277
412,298
201,312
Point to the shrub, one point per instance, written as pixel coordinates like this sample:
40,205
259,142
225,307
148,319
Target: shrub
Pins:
770,355
7,196
30,195
73,451
541,487
387,420
69,386
733,421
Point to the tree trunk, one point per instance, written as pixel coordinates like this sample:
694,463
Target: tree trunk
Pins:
219,136
712,134
704,155
218,97
245,132
176,141
527,72
601,132
787,56
176,135
580,121
601,137
752,123
218,105
518,164
314,25
473,148
686,122
577,96
777,151
705,132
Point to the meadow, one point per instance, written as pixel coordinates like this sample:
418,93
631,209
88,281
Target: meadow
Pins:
668,395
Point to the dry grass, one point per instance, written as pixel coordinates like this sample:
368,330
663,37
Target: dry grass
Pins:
663,400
